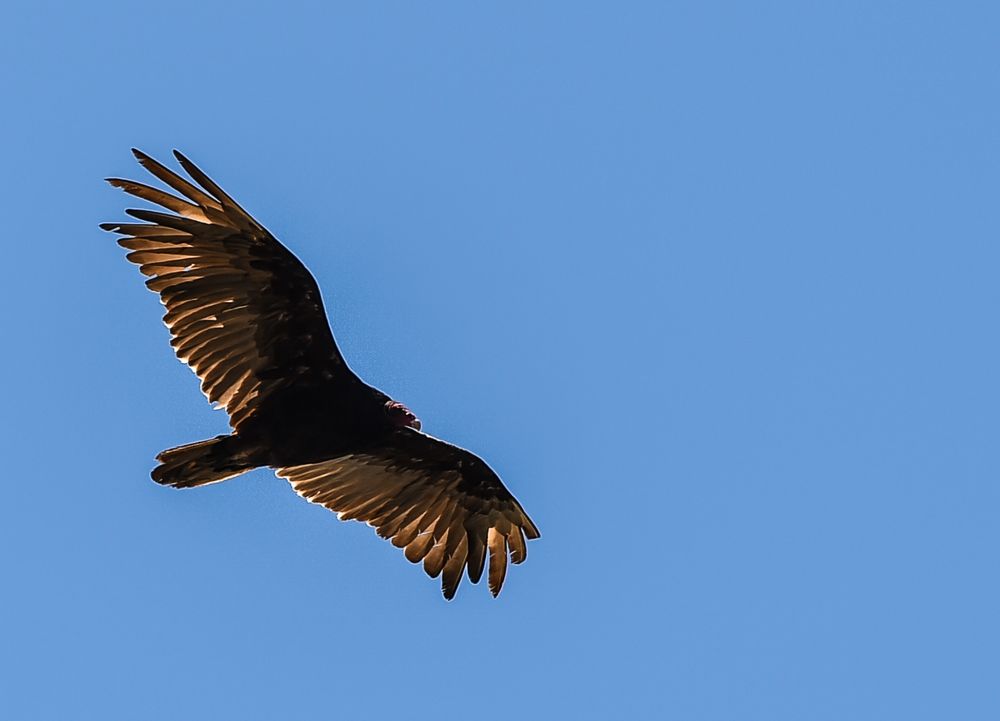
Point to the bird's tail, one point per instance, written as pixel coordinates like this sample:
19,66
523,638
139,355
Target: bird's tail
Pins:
204,462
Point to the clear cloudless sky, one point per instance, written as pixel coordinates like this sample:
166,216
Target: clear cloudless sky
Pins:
712,285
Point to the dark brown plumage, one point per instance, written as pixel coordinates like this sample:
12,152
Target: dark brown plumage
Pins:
247,317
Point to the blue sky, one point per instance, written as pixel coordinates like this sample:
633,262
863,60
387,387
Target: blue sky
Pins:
713,286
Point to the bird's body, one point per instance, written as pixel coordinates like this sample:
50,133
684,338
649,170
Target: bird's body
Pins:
309,422
247,317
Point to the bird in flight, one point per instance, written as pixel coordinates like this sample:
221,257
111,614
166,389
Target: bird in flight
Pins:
246,315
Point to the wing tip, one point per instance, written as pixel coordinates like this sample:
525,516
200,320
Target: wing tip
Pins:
192,169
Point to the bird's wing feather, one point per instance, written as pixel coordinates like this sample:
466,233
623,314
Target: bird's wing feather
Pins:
441,504
243,312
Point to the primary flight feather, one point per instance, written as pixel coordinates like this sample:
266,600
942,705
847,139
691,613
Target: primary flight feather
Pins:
247,317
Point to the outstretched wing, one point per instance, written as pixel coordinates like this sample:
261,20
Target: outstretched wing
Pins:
440,503
243,312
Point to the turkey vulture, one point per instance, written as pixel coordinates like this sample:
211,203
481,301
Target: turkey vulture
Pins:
246,316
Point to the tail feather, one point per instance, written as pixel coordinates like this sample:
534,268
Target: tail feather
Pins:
204,462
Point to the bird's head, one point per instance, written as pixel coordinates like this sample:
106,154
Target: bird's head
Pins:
401,416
